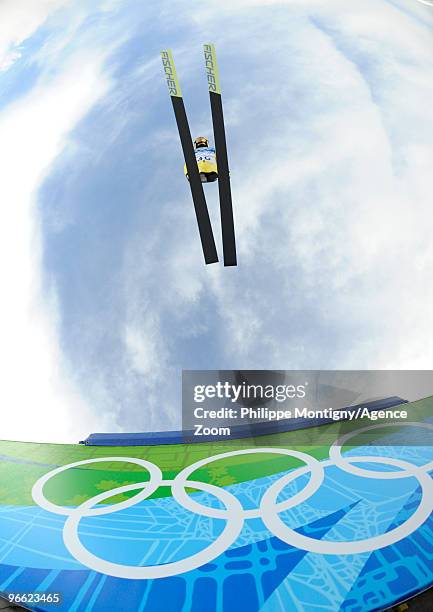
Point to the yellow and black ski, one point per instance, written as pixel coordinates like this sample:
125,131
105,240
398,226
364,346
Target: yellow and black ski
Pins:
199,200
225,196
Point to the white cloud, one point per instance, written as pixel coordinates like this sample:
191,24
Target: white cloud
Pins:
38,398
361,249
9,59
18,20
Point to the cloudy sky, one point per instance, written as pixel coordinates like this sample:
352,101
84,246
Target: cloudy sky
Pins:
105,297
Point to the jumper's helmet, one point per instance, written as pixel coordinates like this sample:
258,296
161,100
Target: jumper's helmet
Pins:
201,141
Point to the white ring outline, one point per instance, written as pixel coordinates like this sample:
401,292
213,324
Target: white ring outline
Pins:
326,547
180,482
345,465
149,487
226,538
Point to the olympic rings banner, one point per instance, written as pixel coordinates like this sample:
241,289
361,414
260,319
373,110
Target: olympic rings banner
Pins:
233,513
346,527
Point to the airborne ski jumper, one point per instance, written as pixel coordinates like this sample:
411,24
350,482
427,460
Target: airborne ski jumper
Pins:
203,163
206,160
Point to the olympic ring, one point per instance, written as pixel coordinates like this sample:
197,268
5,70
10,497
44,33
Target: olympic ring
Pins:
148,487
233,512
180,482
344,463
326,547
223,541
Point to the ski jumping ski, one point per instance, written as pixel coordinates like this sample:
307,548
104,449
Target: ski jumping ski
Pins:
197,169
199,200
225,196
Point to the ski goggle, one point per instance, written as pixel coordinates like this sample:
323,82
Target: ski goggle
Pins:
201,140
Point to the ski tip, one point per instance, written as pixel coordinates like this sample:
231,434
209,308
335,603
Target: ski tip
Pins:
170,73
212,73
211,260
